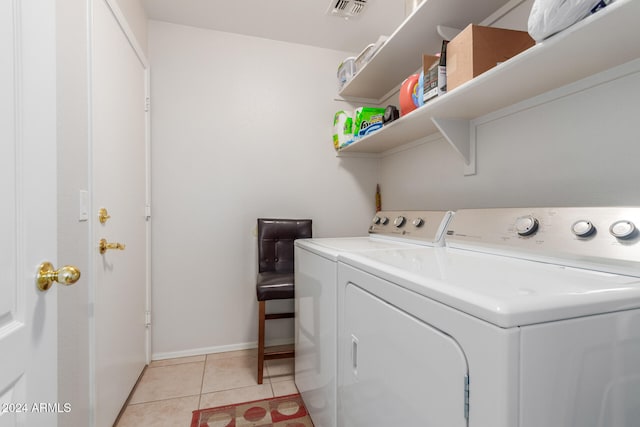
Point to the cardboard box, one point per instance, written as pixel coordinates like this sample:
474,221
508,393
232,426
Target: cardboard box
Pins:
478,49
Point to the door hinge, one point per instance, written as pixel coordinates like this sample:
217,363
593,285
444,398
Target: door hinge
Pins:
147,318
147,212
466,397
147,103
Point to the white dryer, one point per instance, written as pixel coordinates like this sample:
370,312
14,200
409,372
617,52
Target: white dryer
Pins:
528,318
316,274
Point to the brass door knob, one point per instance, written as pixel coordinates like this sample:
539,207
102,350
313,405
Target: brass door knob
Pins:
67,275
103,246
103,215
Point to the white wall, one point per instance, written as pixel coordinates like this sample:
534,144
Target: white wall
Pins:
578,150
241,129
74,245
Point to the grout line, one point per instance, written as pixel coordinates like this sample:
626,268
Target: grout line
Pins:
175,364
161,400
159,369
164,365
204,368
207,358
266,365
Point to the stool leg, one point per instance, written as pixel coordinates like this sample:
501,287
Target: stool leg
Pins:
261,319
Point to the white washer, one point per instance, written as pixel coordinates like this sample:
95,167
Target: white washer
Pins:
316,274
528,318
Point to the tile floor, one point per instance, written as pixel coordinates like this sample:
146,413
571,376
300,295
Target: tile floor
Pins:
171,389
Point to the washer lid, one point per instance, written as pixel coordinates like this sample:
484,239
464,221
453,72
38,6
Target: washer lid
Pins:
507,292
331,247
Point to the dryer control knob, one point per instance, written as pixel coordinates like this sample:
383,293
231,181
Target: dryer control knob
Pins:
384,220
399,221
526,225
376,220
583,228
622,229
418,222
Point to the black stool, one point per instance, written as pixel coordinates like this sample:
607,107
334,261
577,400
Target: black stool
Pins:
276,274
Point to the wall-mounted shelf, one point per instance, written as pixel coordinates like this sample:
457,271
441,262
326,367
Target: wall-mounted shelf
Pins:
602,41
401,55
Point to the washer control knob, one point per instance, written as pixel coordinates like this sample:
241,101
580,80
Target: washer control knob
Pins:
418,222
376,220
622,229
583,228
399,221
526,225
384,220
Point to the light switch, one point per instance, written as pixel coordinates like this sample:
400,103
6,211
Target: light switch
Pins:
83,214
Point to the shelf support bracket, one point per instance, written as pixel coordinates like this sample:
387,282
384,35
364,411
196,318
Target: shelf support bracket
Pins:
461,134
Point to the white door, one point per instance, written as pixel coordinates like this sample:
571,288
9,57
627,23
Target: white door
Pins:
397,370
119,184
28,317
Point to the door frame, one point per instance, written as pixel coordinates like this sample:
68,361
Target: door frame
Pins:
135,45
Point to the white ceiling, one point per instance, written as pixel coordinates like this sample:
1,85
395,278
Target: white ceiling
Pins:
297,21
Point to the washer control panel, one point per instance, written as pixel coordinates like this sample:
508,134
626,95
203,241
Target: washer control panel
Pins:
426,226
603,235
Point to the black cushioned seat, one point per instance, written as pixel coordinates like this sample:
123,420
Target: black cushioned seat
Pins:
275,278
271,285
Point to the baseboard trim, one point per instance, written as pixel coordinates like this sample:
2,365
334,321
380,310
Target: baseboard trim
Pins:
216,349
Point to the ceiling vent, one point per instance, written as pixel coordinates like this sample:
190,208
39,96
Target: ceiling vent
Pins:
346,8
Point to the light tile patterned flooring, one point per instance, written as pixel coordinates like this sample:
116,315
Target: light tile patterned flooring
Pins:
171,389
